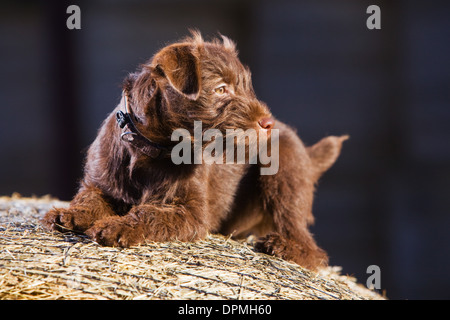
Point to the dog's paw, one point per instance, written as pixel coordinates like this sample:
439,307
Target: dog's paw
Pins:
114,232
272,244
308,256
65,220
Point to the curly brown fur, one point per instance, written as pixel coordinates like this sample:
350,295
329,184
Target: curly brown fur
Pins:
127,197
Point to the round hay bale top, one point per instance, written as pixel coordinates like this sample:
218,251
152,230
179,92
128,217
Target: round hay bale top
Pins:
39,264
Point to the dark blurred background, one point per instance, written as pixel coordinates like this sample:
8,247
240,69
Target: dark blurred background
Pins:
387,199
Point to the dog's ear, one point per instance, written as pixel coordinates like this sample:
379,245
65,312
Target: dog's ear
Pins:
325,153
180,67
129,81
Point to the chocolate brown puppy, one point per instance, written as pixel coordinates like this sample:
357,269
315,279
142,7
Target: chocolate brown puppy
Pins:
134,191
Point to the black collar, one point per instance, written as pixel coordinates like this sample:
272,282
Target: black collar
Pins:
133,136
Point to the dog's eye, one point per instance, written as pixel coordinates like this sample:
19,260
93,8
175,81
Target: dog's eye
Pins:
221,90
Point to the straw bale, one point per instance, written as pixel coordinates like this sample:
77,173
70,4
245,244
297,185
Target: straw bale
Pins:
38,264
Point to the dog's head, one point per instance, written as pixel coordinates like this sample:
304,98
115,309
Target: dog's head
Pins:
195,80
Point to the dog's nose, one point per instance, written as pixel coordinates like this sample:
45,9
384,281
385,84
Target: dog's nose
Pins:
266,123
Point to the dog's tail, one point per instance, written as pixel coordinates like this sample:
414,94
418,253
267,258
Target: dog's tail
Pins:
325,153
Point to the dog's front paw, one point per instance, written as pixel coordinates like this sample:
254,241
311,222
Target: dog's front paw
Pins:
114,232
65,220
306,254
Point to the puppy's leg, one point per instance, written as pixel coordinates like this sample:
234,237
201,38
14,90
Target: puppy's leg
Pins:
88,206
152,222
287,198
